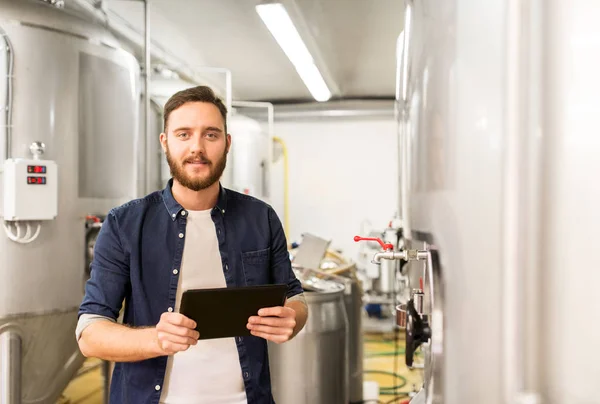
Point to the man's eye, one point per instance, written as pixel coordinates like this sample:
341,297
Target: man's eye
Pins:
182,134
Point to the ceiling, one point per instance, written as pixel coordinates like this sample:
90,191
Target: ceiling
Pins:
354,39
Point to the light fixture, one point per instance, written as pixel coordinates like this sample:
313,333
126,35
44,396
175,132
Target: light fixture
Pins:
278,21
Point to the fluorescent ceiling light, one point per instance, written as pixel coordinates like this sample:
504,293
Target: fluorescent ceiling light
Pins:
281,26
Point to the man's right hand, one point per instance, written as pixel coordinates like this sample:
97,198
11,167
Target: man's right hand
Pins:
175,333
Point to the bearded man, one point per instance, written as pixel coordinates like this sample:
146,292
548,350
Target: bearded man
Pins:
194,234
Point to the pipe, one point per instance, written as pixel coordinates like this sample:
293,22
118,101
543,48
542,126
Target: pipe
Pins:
345,109
228,84
405,127
286,210
10,367
147,73
123,29
9,97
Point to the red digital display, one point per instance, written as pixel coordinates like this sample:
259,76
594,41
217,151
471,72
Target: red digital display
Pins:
36,169
36,180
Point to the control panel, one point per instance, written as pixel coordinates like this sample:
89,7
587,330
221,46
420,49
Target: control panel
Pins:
30,189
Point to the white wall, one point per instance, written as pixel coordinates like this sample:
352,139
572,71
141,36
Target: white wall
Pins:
341,173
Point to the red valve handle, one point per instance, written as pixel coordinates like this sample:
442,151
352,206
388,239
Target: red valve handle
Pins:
383,245
95,219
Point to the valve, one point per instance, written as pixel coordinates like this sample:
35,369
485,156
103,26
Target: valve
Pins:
383,245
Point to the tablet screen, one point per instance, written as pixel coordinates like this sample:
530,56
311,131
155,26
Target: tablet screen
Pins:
224,312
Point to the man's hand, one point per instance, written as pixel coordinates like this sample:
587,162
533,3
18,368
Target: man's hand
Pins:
273,323
175,333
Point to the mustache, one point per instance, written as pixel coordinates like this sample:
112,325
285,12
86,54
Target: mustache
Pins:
199,159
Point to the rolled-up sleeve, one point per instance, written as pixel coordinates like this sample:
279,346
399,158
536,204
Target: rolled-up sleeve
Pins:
109,281
281,266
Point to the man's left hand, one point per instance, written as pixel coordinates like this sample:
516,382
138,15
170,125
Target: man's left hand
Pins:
273,323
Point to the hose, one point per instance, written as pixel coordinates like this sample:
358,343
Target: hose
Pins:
390,390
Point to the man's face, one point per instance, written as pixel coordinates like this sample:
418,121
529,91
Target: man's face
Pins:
196,145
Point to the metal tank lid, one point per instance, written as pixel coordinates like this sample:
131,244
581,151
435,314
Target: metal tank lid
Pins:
312,283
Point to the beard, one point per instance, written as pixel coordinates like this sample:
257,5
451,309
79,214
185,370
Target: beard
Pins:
215,171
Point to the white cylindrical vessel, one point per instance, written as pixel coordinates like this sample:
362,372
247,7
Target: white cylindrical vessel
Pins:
74,89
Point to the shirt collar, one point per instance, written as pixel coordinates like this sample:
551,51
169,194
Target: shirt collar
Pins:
173,207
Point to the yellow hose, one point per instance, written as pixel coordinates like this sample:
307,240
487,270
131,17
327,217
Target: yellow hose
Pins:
286,218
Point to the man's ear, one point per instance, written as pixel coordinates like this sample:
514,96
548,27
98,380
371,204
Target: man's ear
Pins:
163,141
228,143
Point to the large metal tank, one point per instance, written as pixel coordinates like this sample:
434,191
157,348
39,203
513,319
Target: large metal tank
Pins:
313,367
248,158
73,88
499,112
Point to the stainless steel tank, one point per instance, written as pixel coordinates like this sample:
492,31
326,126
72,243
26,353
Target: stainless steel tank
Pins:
247,163
342,270
73,88
499,116
313,367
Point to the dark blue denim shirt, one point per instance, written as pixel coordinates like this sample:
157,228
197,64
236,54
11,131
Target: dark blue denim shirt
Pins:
140,245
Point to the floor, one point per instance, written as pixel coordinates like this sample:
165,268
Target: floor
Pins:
394,382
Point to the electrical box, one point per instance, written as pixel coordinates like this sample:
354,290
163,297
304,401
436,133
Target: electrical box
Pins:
30,189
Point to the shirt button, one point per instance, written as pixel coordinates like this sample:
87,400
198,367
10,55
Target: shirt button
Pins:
173,215
219,232
157,387
175,272
170,309
223,211
246,375
226,267
183,213
180,235
239,339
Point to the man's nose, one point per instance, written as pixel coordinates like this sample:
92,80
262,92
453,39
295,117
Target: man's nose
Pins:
197,146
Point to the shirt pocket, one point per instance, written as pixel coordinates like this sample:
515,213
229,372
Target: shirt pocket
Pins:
256,266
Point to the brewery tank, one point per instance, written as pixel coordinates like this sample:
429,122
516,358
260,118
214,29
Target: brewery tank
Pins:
313,366
499,152
66,84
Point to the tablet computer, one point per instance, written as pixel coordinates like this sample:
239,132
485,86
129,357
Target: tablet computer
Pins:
224,312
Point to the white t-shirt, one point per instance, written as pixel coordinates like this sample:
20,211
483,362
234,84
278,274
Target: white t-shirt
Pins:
210,371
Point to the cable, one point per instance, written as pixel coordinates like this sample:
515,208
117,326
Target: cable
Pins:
28,232
36,234
395,399
380,341
387,390
17,237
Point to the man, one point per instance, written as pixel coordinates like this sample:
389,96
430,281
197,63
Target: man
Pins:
193,234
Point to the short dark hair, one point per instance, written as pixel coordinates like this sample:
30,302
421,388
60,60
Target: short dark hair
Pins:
194,94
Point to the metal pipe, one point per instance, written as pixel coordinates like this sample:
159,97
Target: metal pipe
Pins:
147,74
228,83
10,367
398,117
122,28
406,255
9,98
405,127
